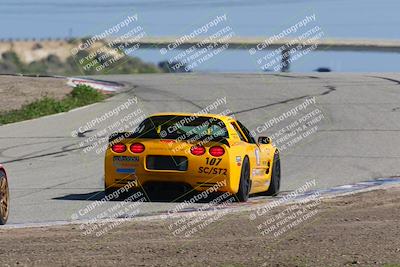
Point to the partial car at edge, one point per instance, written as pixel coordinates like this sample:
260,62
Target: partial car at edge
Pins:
4,196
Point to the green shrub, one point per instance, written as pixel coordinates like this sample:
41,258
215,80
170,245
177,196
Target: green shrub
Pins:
81,95
86,94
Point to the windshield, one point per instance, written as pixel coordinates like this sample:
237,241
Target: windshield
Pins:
181,127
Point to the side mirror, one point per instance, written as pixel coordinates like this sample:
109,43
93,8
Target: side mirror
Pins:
264,140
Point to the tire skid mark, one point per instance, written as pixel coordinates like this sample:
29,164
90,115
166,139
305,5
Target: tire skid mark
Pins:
145,89
296,77
387,79
24,145
331,88
33,155
44,155
326,92
270,105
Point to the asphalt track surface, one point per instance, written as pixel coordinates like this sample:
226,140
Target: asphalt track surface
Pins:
52,178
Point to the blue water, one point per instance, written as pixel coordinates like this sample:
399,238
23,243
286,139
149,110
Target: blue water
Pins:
337,18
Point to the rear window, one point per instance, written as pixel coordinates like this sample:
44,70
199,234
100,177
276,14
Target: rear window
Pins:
181,127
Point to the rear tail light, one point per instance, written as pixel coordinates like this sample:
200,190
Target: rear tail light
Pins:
119,148
137,148
198,150
217,151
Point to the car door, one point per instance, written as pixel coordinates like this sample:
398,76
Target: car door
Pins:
256,156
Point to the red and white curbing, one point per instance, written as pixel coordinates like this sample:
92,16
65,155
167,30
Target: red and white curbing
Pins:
103,86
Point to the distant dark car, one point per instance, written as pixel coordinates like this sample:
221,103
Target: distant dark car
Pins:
323,69
174,66
4,197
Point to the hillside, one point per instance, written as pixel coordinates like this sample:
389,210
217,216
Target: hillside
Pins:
57,57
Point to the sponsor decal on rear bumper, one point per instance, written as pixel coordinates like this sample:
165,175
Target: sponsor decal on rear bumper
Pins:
126,158
130,170
125,162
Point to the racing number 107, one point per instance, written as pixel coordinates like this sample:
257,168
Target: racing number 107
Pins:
213,161
212,170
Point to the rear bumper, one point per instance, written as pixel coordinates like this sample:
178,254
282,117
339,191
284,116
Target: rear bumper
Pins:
166,179
198,172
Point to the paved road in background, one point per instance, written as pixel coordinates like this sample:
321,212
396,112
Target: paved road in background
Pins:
52,178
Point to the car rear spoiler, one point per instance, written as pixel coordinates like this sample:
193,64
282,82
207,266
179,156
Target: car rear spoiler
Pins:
120,136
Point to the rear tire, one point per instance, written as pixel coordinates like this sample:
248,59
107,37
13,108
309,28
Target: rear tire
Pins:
275,184
244,184
4,199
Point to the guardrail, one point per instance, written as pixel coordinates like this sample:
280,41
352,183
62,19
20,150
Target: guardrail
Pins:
372,45
251,42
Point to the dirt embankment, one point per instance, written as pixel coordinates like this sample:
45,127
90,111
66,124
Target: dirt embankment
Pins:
16,91
29,51
356,230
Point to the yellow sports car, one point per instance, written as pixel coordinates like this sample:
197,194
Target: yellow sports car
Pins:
192,152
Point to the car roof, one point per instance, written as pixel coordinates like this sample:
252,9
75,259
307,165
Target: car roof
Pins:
221,117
